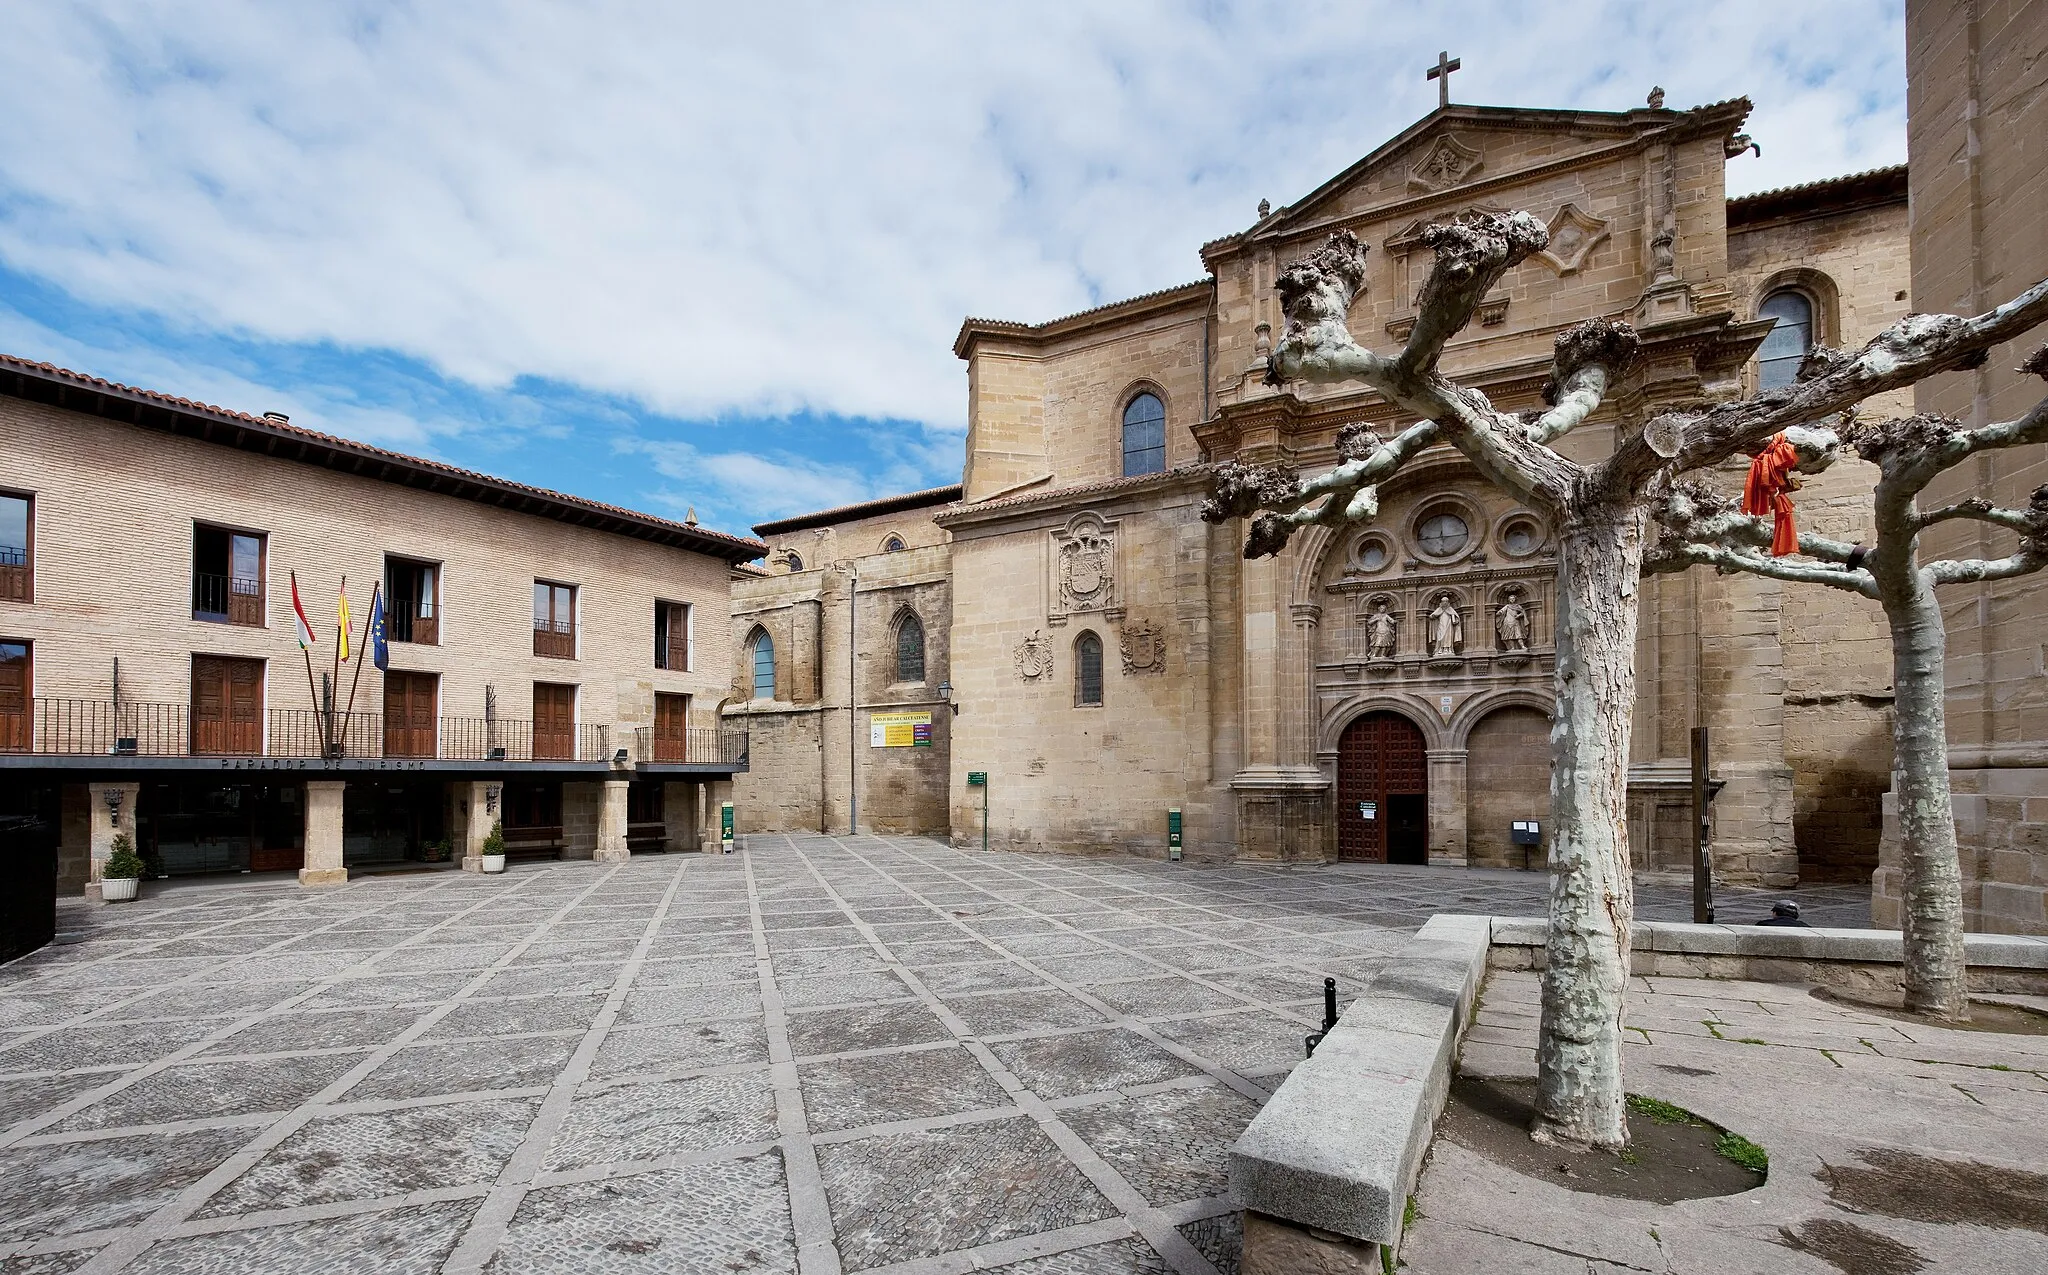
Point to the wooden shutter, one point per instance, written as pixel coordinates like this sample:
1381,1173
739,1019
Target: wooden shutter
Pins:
671,728
245,706
409,714
554,721
227,705
15,686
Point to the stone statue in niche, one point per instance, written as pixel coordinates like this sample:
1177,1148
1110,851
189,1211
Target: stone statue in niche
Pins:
1033,657
1381,633
1511,623
1446,628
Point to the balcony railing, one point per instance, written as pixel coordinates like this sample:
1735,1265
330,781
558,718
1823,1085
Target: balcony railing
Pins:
555,639
404,623
82,727
227,599
13,573
723,747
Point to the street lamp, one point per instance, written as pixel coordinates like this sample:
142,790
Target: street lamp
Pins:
946,696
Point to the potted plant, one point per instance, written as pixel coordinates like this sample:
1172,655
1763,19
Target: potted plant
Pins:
494,848
434,851
120,875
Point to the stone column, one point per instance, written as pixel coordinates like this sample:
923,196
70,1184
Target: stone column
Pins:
107,821
482,804
1447,807
611,823
1298,695
323,834
679,810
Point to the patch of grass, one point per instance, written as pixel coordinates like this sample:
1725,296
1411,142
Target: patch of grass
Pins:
1386,1260
1943,1062
1409,1213
1713,1027
1640,1032
1628,1156
1829,1054
1748,1154
1750,1040
1659,1110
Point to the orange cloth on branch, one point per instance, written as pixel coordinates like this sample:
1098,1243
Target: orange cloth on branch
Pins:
1768,489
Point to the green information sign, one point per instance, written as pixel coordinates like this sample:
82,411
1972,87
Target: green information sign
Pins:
725,826
977,779
1173,846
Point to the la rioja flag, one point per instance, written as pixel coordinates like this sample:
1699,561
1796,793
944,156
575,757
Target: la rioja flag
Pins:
299,614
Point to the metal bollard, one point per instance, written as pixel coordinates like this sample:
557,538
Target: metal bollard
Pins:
1313,1039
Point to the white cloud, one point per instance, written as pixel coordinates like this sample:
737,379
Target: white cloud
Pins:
764,209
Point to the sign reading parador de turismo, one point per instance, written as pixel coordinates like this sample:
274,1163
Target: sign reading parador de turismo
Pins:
900,730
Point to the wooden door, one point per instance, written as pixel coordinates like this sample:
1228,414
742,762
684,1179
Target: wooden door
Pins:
227,705
554,722
409,714
16,691
1381,757
671,728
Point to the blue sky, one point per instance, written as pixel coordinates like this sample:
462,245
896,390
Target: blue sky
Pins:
669,255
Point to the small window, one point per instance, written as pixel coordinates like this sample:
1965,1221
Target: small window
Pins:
227,576
17,548
672,636
893,544
910,649
1442,535
1790,339
554,620
1521,538
763,652
794,562
1087,671
1144,436
412,595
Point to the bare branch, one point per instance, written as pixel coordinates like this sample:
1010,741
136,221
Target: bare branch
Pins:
1913,349
2031,428
1347,494
2031,556
1981,510
1471,256
1589,356
1677,556
2028,560
1315,295
1691,513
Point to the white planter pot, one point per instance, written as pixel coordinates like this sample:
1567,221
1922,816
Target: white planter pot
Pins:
494,863
118,889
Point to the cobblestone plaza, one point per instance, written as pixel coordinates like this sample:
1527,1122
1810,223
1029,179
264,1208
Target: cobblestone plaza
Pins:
816,1054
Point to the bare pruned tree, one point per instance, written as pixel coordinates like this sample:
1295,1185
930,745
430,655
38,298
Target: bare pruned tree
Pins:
1602,515
1698,527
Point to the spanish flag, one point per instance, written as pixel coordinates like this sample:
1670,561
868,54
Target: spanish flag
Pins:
341,615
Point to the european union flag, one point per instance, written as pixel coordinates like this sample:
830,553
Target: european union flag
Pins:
380,652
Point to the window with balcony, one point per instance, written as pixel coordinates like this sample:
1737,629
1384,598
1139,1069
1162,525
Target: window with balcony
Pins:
227,576
672,636
17,548
554,620
412,601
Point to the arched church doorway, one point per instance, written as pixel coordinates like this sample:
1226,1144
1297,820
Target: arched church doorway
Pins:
1382,791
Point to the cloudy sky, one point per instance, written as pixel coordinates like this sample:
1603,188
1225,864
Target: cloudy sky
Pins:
670,254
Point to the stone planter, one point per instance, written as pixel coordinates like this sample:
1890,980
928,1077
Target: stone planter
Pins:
494,863
118,889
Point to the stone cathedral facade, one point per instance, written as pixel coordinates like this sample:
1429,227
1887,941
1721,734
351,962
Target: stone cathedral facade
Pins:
1381,693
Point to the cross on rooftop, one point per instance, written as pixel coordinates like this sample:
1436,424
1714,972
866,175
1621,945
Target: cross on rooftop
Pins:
1441,73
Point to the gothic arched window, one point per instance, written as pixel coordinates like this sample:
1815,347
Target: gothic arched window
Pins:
1087,670
909,649
1144,436
894,544
763,651
1791,337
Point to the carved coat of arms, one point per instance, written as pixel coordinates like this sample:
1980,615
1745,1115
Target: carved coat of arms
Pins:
1033,657
1144,648
1087,578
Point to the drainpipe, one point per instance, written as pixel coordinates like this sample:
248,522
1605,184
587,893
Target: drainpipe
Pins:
852,701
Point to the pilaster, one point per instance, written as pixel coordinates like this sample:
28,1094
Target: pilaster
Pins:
1447,807
611,823
111,808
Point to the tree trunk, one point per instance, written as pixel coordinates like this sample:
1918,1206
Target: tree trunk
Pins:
1579,1097
1932,910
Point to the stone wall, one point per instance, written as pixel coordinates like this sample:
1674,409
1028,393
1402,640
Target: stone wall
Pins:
1508,778
1977,148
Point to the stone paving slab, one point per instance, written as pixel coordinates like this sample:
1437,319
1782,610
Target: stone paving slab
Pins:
1828,1091
816,1055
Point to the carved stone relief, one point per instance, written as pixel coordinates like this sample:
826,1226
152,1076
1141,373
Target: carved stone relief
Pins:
1033,657
1447,163
1573,235
1085,566
1144,648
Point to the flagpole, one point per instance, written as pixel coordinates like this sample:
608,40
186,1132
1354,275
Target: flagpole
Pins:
357,680
312,692
337,667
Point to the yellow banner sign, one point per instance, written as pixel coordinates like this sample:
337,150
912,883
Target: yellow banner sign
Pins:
900,730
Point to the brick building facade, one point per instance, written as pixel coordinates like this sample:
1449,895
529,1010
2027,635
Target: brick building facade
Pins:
554,662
